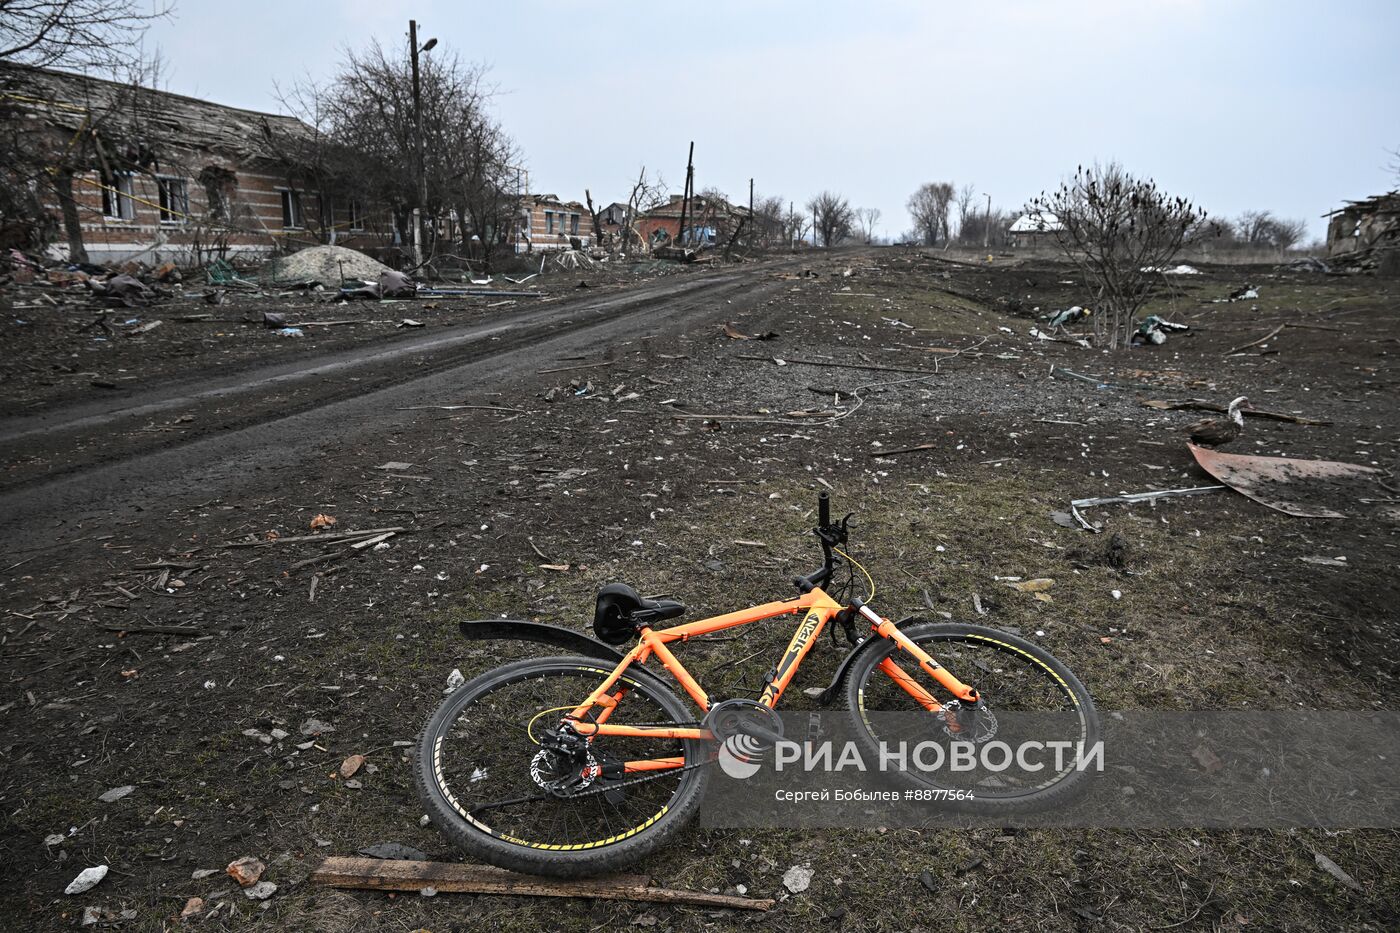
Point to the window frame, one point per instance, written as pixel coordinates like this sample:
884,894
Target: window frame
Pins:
357,215
119,192
292,209
178,214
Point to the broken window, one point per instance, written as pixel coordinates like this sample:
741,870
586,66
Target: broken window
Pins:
117,191
573,225
291,209
357,215
174,197
549,221
219,189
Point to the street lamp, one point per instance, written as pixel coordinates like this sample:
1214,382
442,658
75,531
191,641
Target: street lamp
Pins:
414,49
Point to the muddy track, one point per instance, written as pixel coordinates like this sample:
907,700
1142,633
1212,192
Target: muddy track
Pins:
105,456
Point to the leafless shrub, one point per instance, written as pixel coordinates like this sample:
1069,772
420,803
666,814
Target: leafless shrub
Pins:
1116,229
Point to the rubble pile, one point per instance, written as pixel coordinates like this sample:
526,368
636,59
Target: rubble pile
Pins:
329,265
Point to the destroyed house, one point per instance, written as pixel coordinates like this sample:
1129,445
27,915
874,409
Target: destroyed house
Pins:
1367,230
156,175
1034,228
545,222
708,221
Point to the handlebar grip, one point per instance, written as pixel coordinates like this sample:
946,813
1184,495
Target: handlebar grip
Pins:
823,510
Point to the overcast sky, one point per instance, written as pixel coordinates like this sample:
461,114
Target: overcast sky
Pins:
1289,106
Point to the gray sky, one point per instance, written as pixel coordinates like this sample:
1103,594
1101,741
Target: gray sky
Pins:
1288,106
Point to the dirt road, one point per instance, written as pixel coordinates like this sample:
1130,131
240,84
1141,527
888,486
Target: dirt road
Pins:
203,435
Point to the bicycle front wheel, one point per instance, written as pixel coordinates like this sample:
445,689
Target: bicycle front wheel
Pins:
1031,701
490,786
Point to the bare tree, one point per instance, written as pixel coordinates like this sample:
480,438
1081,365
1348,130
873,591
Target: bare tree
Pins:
770,221
109,127
928,206
964,199
832,217
647,193
1116,229
84,35
365,144
1263,230
866,219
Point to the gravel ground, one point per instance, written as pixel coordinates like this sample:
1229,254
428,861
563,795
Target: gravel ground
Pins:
656,457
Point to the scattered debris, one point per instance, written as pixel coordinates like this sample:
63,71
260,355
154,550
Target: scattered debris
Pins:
454,877
1068,316
1037,587
797,879
394,850
327,264
246,870
193,907
1305,488
454,680
116,793
322,520
87,879
260,891
733,333
1217,432
1200,404
1254,343
1078,504
1154,330
1335,870
351,765
313,727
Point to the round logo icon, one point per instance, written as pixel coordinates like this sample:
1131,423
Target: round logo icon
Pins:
740,756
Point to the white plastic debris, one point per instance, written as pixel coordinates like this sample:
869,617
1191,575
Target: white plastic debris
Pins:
454,680
87,879
797,879
116,793
261,891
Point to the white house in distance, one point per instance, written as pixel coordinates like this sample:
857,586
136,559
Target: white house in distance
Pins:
1033,228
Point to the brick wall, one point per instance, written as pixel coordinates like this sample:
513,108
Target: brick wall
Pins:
170,216
552,223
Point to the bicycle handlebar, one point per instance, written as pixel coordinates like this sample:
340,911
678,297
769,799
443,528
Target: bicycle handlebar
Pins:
830,534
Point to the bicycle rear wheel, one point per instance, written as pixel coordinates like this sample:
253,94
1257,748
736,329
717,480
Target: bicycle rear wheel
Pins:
1029,697
491,787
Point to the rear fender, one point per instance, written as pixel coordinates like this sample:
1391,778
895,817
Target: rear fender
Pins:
553,635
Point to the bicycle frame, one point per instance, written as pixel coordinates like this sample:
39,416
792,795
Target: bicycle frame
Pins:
819,610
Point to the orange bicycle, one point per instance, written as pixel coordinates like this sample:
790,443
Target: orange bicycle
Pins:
578,765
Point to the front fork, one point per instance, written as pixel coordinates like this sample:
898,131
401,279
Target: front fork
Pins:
968,698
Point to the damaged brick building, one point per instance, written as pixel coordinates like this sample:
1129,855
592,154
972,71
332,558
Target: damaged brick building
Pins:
142,173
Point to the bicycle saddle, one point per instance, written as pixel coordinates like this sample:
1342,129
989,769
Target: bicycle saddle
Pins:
621,612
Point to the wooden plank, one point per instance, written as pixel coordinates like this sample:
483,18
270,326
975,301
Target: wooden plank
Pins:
405,875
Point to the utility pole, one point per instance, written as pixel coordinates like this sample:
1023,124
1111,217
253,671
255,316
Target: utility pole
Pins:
685,196
792,225
751,217
420,210
814,226
987,228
